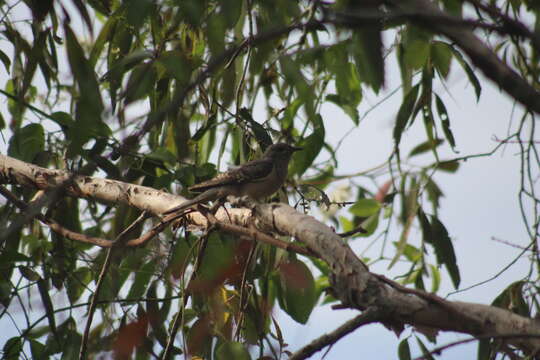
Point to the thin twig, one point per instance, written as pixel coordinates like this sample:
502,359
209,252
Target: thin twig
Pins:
439,349
93,304
369,316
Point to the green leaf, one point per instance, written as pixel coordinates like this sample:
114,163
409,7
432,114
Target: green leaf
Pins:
404,352
444,250
290,112
138,11
449,166
258,130
416,53
425,351
427,145
39,351
142,279
77,282
311,147
470,73
349,109
435,278
27,142
367,51
141,82
232,350
512,299
29,273
445,120
5,60
297,290
12,348
43,288
292,71
231,11
484,350
178,65
404,113
425,226
365,207
83,73
441,55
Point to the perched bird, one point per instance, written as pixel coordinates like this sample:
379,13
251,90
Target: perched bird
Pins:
256,179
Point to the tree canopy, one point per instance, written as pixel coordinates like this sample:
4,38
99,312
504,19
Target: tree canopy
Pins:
115,108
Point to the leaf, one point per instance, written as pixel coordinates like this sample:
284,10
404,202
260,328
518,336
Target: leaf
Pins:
425,146
470,73
444,250
231,11
365,207
77,282
142,279
39,351
43,288
425,351
258,130
12,348
449,166
27,142
512,299
232,350
292,71
5,60
416,53
297,290
29,273
349,109
138,11
178,65
435,278
441,55
311,147
83,73
427,236
445,120
404,352
404,113
484,350
290,112
367,51
141,82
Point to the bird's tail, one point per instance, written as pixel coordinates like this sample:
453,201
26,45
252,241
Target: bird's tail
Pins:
208,195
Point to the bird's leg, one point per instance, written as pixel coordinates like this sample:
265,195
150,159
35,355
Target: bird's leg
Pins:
220,203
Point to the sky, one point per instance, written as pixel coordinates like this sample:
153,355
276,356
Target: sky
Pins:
480,203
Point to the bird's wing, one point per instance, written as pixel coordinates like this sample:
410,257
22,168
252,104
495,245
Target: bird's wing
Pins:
251,171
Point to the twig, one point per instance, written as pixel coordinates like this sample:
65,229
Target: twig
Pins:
369,316
439,349
359,229
93,304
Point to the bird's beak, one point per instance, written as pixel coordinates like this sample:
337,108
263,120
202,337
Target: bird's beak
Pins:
296,148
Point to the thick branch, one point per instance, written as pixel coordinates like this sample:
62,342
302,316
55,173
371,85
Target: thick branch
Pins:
352,283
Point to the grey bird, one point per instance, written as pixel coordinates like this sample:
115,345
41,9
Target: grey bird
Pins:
256,179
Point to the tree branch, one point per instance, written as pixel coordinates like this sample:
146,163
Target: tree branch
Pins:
352,283
369,316
426,14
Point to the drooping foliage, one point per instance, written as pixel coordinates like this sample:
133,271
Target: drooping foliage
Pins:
165,93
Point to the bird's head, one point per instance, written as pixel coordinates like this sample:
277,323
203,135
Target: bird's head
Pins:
280,151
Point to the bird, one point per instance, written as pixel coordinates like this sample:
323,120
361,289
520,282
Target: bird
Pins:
256,179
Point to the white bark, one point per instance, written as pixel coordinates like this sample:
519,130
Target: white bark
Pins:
352,283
